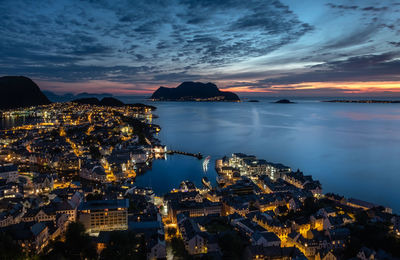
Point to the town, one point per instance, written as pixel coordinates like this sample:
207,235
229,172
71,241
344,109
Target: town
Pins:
67,190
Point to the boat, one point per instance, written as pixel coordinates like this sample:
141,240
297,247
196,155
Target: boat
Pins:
206,182
187,186
205,164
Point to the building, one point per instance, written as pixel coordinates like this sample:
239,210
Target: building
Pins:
194,239
31,236
104,215
193,209
96,173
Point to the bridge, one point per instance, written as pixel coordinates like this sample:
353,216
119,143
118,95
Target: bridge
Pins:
197,155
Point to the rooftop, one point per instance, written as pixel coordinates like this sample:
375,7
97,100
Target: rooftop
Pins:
104,204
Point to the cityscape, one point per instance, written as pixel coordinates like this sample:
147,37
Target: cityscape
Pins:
179,129
77,163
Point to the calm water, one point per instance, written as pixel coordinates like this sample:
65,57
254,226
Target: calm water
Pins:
9,122
353,149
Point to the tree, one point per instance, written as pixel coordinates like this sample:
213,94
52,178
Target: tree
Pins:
124,245
171,232
232,245
178,248
9,249
94,152
77,245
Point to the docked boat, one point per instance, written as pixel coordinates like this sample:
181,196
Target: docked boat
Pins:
206,182
187,186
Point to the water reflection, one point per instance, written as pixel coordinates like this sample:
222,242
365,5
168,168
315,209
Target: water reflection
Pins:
349,156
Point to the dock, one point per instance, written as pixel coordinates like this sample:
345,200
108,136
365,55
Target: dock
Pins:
197,155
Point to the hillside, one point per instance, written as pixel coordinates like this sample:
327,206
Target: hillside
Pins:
19,91
107,101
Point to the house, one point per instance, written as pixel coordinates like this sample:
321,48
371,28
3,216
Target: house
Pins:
366,254
10,189
193,208
301,225
63,207
43,183
31,236
333,222
8,170
270,253
195,240
302,181
339,237
327,212
310,243
325,255
156,249
38,215
12,215
272,225
96,173
265,239
295,204
138,156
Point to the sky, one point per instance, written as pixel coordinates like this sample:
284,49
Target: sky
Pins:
269,47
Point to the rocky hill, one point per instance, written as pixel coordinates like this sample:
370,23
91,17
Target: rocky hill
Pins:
193,91
19,91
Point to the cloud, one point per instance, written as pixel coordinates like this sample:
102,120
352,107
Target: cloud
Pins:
383,67
79,37
396,44
375,9
355,7
165,42
345,7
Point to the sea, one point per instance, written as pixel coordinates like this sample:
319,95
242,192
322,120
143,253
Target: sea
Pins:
353,149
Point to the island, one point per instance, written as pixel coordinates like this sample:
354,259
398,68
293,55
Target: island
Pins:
193,91
284,101
253,100
19,91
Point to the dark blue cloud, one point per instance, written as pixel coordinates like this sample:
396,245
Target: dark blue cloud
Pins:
167,35
156,42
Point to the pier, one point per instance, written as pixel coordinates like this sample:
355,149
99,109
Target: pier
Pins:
197,155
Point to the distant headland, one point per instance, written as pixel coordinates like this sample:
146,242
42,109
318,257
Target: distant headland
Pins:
106,101
110,102
361,101
193,91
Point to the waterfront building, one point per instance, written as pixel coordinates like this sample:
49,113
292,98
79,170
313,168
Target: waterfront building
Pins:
104,215
193,209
